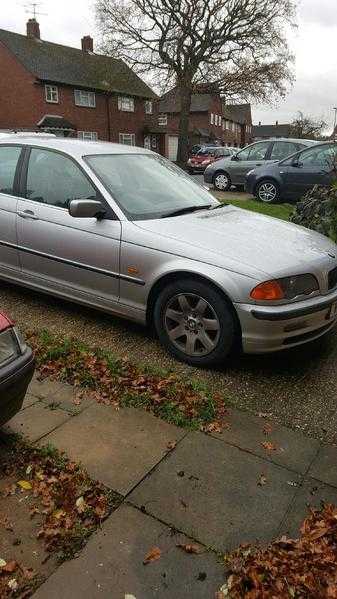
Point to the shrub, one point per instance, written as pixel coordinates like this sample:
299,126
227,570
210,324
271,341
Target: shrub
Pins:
318,210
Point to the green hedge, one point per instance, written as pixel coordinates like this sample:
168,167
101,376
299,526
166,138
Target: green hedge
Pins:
318,211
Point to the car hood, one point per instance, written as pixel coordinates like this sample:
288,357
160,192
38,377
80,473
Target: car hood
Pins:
243,241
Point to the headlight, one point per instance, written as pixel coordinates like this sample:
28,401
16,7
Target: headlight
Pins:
205,162
9,348
286,288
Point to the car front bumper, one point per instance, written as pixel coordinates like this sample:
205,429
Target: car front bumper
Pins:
274,328
14,380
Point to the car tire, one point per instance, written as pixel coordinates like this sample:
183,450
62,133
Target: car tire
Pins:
222,181
202,316
267,191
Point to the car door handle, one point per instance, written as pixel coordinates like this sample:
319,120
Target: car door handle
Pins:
28,214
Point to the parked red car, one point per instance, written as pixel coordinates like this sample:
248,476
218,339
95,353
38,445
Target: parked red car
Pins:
16,369
206,156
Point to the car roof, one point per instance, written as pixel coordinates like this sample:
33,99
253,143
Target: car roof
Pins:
290,139
75,147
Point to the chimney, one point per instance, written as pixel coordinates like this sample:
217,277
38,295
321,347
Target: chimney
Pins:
259,123
33,29
87,43
276,123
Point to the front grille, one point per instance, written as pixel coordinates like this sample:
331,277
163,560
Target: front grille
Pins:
333,278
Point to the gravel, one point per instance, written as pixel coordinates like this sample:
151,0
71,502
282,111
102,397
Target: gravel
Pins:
297,387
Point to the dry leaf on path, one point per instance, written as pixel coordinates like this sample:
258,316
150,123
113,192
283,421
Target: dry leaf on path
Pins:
152,555
25,484
191,548
268,446
262,481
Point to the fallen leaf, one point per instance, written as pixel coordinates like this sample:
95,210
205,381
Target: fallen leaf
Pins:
25,484
171,445
152,555
58,514
262,481
269,446
12,584
81,505
128,596
2,563
10,567
190,547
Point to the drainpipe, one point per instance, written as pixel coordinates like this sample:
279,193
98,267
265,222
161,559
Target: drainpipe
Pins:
108,115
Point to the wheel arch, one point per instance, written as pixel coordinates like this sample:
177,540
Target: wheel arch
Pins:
179,276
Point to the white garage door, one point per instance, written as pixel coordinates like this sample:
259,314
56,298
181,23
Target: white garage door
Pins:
172,147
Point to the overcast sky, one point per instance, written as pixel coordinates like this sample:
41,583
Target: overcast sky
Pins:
314,44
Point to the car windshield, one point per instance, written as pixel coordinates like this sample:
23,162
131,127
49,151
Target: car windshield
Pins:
147,186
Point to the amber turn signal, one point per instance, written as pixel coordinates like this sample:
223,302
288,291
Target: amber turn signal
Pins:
270,290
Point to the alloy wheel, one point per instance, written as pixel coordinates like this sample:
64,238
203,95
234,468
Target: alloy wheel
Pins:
191,324
221,181
267,192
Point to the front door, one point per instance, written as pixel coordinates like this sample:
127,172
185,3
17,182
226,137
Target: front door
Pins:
9,257
75,256
309,168
172,147
246,160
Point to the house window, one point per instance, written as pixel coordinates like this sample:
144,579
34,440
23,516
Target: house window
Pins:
87,135
148,107
127,139
85,98
162,119
219,120
212,118
126,104
52,94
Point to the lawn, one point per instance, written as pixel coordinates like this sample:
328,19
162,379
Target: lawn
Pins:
282,211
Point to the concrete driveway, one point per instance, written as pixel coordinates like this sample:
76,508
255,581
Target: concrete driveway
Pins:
233,194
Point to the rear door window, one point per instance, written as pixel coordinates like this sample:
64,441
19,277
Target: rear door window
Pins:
9,157
283,149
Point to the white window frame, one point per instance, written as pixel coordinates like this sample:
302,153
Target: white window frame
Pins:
162,120
131,137
85,98
87,135
212,118
126,103
148,107
51,94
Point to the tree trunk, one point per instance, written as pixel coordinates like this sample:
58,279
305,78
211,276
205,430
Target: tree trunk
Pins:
185,90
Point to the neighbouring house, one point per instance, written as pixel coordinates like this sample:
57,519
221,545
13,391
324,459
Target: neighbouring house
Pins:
69,91
268,131
210,122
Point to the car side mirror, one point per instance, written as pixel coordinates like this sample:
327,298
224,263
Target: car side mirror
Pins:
235,157
86,209
296,163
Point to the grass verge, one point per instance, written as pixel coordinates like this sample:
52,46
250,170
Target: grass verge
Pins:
116,381
281,211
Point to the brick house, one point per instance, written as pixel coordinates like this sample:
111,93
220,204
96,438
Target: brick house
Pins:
69,91
210,121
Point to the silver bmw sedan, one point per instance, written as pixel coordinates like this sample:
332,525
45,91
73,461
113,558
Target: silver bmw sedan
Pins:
122,229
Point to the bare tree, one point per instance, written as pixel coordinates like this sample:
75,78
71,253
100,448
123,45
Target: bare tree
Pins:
307,127
239,45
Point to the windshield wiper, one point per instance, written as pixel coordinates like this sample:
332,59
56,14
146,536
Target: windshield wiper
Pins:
222,205
185,210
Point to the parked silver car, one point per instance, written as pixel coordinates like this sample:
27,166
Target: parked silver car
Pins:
124,230
232,171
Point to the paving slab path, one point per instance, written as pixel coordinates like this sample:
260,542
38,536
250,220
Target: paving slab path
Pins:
250,483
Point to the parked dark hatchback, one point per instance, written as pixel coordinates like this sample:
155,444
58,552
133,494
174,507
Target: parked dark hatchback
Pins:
16,369
291,178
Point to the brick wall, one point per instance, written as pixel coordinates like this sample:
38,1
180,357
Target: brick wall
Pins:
23,104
